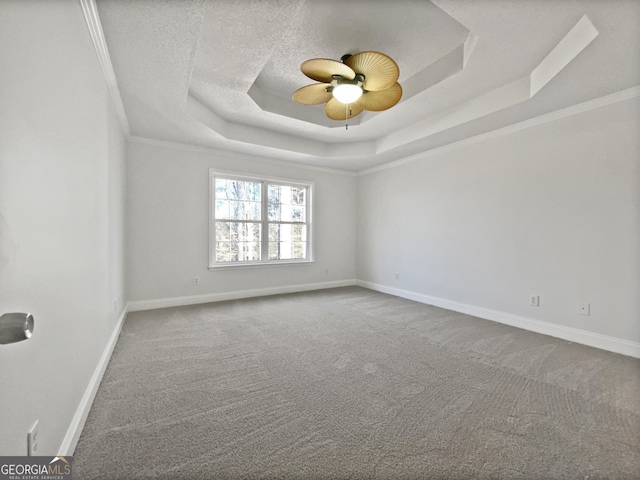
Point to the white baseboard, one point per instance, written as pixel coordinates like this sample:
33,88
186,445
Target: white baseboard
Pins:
585,337
235,295
77,423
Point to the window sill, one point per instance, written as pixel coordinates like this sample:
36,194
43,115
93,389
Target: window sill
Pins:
282,263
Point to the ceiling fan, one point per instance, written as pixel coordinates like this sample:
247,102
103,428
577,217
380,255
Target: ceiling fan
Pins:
364,81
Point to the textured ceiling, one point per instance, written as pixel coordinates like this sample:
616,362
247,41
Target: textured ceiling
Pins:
220,73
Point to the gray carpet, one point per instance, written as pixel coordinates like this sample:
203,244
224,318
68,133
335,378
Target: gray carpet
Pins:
351,383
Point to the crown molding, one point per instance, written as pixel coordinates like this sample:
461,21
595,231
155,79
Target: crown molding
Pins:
589,105
594,104
90,10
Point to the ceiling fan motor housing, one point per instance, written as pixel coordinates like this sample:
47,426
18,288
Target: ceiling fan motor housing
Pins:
340,80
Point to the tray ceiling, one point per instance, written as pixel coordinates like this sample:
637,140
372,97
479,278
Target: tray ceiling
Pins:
220,73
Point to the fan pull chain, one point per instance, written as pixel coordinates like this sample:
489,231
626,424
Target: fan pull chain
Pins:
347,114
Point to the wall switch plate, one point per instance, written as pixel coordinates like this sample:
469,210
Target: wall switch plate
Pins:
32,440
584,308
534,300
397,276
196,280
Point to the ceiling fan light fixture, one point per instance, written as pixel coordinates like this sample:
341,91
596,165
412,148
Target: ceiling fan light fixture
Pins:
345,90
347,93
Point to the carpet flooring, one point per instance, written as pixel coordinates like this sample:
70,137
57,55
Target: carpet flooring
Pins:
351,383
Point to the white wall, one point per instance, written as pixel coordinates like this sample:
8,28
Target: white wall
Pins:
553,210
168,222
61,216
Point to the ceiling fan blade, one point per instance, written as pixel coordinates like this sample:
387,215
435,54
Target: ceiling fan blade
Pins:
313,94
323,69
339,111
379,70
382,100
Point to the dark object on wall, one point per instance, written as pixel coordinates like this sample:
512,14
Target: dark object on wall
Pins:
15,327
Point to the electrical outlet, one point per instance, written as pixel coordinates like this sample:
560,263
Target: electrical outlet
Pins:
196,280
32,440
534,300
584,309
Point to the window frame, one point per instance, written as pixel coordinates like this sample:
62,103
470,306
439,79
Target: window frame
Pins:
264,219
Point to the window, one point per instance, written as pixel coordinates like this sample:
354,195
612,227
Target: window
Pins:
259,221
